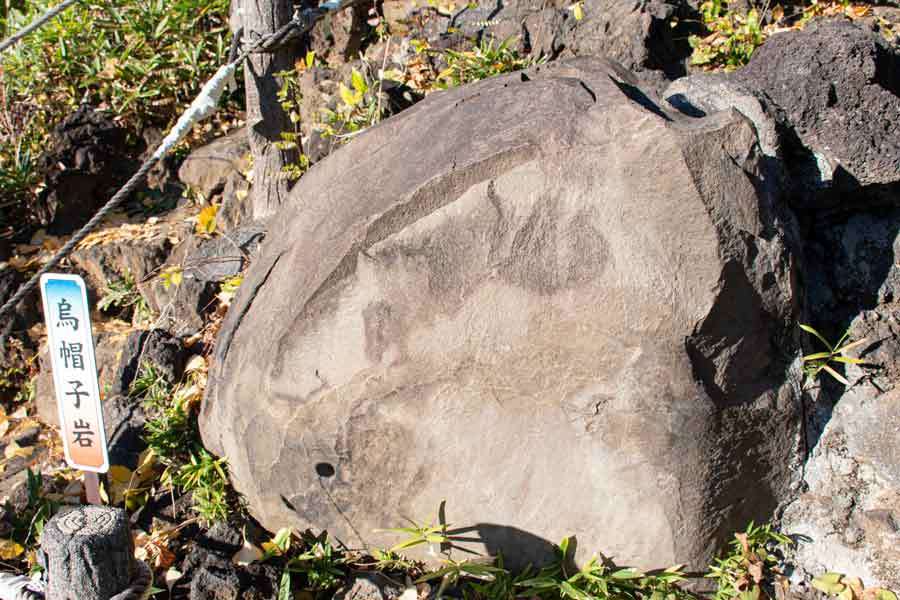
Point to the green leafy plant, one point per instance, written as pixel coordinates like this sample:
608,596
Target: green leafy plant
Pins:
313,557
144,61
360,107
453,571
733,36
600,579
498,585
751,562
124,294
418,534
815,363
487,59
206,477
28,524
289,97
172,436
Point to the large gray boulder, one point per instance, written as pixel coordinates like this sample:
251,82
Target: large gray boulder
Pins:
541,298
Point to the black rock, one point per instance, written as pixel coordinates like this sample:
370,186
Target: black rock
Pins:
88,158
839,87
124,419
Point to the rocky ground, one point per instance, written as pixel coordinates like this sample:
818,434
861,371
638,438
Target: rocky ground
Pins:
811,235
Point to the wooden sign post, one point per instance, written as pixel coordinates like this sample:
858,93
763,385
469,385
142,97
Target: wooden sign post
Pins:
75,377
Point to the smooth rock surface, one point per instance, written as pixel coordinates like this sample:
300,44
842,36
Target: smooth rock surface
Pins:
542,298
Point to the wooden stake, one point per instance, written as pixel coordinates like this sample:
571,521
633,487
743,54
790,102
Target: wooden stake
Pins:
92,487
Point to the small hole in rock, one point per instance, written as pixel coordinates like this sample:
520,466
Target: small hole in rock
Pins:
325,469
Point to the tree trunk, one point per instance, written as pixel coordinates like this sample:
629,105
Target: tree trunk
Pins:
265,118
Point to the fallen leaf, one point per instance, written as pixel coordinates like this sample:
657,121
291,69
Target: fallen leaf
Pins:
247,554
172,575
20,413
10,549
4,426
195,363
206,220
14,450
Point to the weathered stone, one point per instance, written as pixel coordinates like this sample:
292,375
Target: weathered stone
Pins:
857,460
543,298
88,553
706,93
124,419
851,506
139,252
235,208
839,86
650,37
207,168
224,256
166,353
369,586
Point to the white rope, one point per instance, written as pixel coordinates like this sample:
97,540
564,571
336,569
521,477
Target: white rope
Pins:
203,106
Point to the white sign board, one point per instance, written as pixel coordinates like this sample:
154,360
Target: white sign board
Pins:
74,371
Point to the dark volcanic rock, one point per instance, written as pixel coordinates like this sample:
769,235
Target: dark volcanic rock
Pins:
369,586
568,287
89,158
224,256
124,419
213,576
165,352
839,86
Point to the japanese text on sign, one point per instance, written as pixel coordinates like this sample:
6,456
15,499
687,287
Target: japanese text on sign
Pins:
74,371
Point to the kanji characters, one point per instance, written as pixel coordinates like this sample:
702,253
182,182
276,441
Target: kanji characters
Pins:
72,352
66,319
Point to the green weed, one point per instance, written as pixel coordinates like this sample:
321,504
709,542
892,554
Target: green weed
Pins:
360,107
733,36
172,435
123,295
418,534
600,579
144,61
487,59
322,566
815,363
751,562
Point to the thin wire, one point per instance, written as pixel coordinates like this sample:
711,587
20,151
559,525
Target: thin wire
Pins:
36,24
302,22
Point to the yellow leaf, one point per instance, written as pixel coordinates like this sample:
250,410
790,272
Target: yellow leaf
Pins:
104,497
10,549
4,427
13,450
351,99
120,474
206,220
578,11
